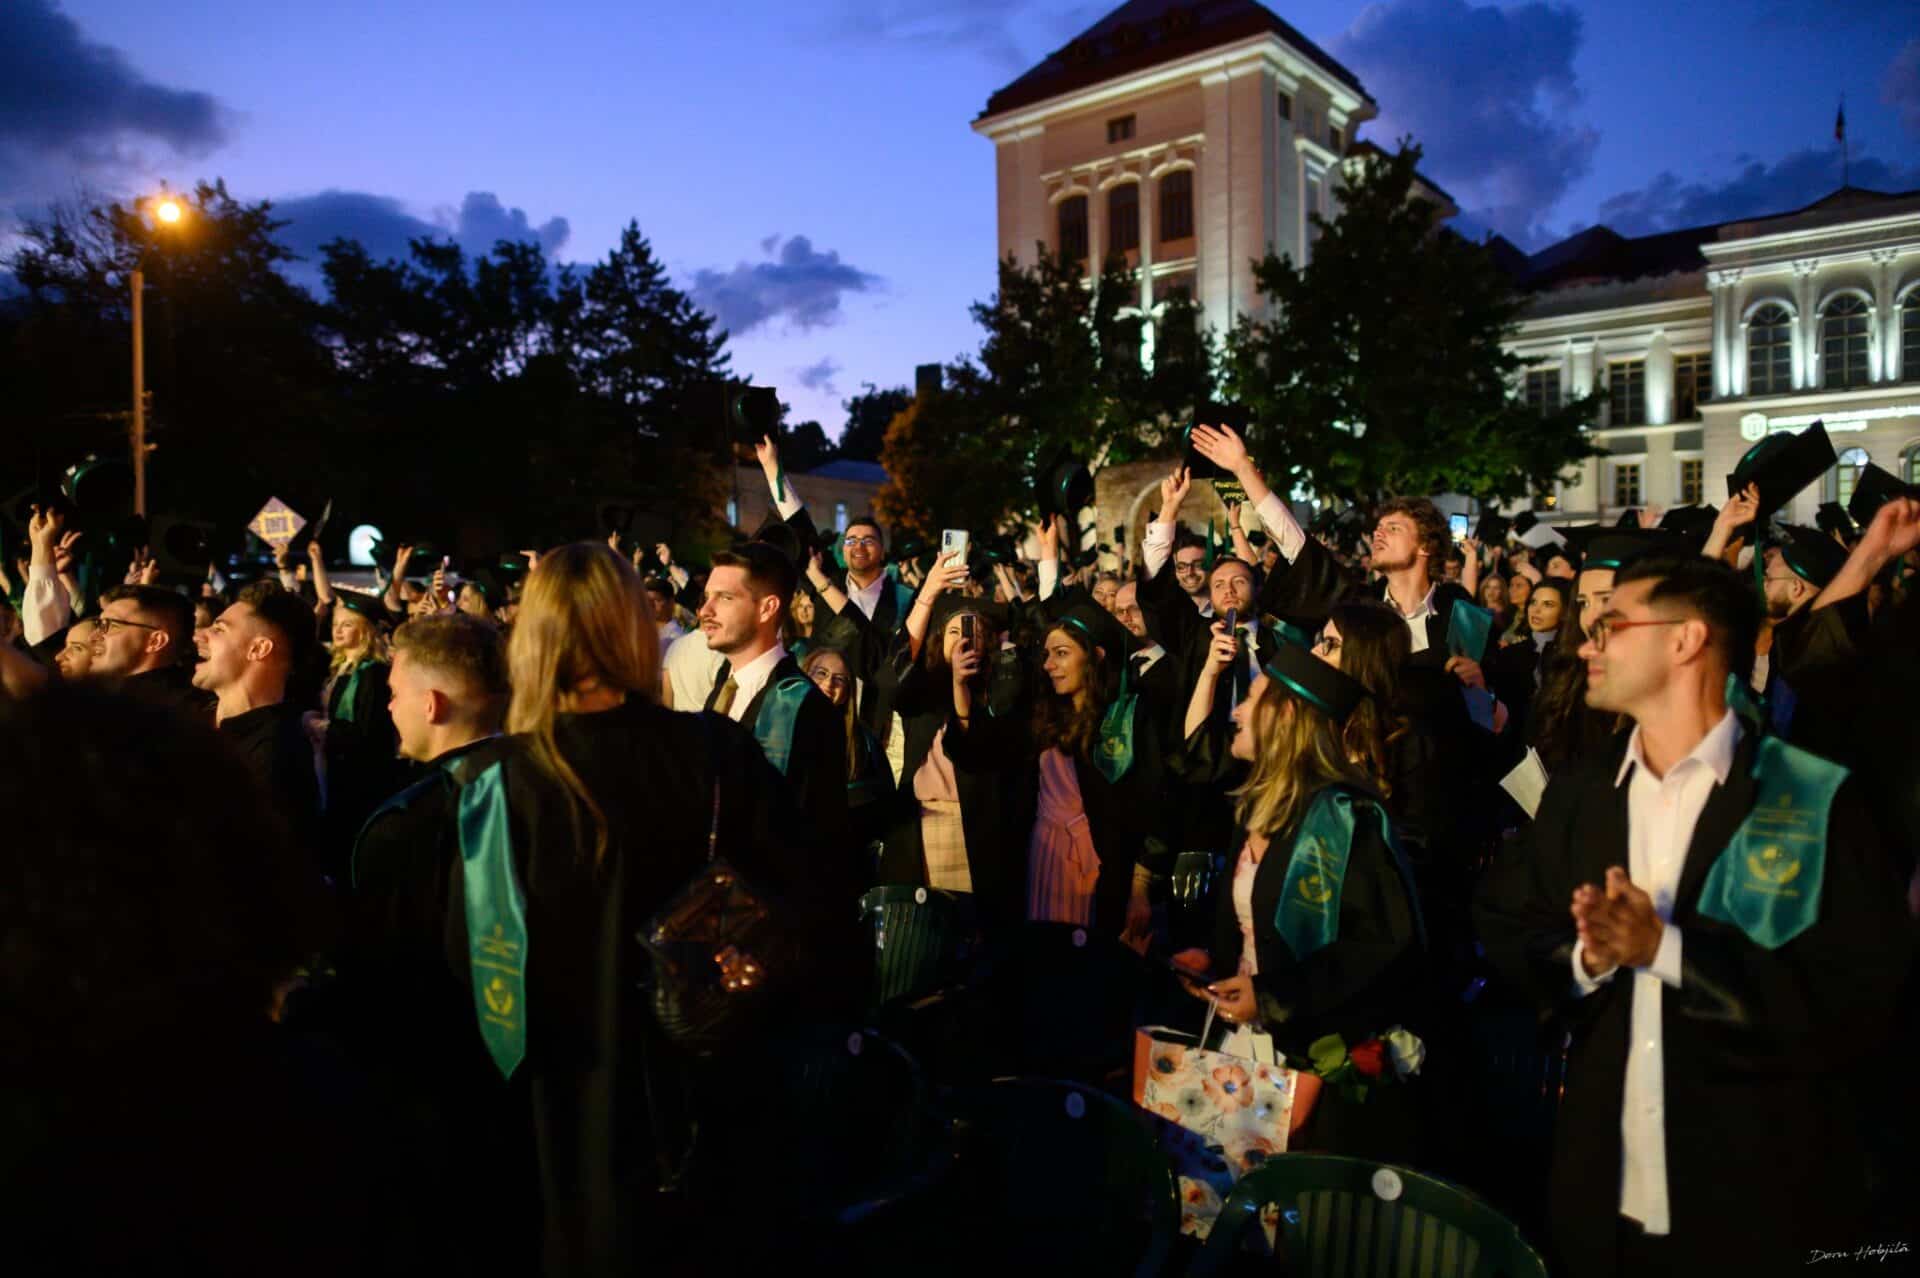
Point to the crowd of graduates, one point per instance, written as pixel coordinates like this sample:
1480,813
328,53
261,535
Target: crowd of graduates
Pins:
333,917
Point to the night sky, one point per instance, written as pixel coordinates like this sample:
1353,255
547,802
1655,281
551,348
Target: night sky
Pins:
807,170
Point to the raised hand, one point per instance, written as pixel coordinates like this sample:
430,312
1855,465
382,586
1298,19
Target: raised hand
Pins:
1222,649
1223,447
947,573
400,559
1048,535
1740,509
43,533
769,454
1895,528
613,541
532,557
664,553
1233,515
1173,492
149,567
63,554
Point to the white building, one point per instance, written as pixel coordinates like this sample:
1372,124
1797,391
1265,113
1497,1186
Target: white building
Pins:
1187,138
1703,341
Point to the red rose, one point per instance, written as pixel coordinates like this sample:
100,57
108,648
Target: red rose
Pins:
1369,1057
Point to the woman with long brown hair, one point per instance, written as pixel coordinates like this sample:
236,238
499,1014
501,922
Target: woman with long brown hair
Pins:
596,813
869,777
1317,933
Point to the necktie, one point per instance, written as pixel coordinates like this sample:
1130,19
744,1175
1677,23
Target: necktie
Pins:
723,700
1239,680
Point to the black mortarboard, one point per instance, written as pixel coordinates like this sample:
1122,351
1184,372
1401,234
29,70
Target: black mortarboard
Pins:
369,606
1564,549
783,537
1320,685
1874,489
1628,519
1198,467
1063,486
484,579
1601,547
1492,529
1097,626
1811,554
1695,523
1831,517
1783,465
1523,523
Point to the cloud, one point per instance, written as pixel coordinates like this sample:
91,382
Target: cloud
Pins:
819,377
1491,95
72,109
1754,190
1900,86
385,227
800,286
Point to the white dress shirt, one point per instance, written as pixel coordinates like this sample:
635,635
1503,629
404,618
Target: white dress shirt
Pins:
1157,544
1661,814
45,605
867,598
749,679
1417,619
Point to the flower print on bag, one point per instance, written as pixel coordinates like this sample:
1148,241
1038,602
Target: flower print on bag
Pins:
1229,1088
1168,1058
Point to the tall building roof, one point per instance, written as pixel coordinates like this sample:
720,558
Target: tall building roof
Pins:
1145,33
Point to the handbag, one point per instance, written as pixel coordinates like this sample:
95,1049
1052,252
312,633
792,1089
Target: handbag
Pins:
722,951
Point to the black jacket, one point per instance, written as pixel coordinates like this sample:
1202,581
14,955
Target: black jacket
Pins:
1768,1054
277,752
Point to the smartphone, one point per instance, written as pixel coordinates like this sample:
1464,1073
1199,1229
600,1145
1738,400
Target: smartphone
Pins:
1457,524
1233,620
954,541
969,633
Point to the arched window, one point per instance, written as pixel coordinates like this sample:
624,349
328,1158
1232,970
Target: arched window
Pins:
1176,205
1770,351
1123,218
1843,342
1073,228
1846,473
1910,337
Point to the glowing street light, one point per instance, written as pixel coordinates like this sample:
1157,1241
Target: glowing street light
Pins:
168,212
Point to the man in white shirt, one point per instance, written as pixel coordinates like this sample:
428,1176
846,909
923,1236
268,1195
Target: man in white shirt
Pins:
1710,1073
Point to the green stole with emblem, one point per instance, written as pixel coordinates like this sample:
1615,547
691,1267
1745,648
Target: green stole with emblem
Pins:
1309,915
496,919
773,727
1767,881
345,713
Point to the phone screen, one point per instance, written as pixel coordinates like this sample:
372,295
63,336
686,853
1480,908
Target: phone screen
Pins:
968,633
1458,525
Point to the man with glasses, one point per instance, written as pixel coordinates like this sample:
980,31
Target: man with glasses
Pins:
144,638
1717,919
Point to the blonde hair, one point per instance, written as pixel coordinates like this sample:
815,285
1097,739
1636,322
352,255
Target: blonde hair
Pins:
340,660
1297,752
584,618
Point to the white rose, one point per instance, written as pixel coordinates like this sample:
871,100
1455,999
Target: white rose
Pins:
1406,1049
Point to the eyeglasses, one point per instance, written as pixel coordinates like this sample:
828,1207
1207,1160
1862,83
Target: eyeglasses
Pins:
105,625
1327,645
1606,626
1188,565
854,543
825,680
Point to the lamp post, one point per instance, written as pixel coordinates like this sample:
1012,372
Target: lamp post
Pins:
167,211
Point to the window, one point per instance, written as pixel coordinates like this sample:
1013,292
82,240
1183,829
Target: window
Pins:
1845,475
1073,228
1120,130
1286,105
1843,342
1333,139
1626,483
840,516
1770,351
1543,390
1692,385
1910,337
1176,205
1123,218
1693,477
1627,392
1910,465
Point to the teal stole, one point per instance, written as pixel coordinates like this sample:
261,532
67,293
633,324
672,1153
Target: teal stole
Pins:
1113,750
345,713
779,710
1767,881
496,919
1309,915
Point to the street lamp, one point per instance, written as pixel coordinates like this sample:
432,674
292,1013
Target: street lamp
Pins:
168,212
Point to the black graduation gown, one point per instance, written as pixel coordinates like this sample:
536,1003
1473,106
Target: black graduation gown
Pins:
996,863
172,685
275,749
1366,981
816,775
1767,1054
572,1190
362,749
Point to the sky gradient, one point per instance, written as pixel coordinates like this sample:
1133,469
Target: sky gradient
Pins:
808,173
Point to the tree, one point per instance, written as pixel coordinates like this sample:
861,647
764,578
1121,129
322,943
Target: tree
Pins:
1382,369
804,447
868,415
1059,372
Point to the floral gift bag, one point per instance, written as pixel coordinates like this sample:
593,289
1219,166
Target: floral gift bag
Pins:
1219,1115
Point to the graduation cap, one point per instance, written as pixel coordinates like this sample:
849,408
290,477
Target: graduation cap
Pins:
1813,556
1304,676
1874,489
1629,518
1211,414
1063,486
1523,523
1097,627
1831,517
1782,465
1601,547
1695,523
1562,548
1492,529
783,537
358,601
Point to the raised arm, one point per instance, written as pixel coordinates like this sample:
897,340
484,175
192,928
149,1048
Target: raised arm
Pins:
1225,449
322,588
397,601
785,499
1894,531
1739,510
1220,655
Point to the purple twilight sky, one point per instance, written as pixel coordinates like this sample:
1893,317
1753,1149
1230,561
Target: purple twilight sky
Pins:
807,171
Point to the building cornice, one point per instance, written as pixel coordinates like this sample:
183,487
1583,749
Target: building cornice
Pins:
1571,323
1903,224
1237,58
